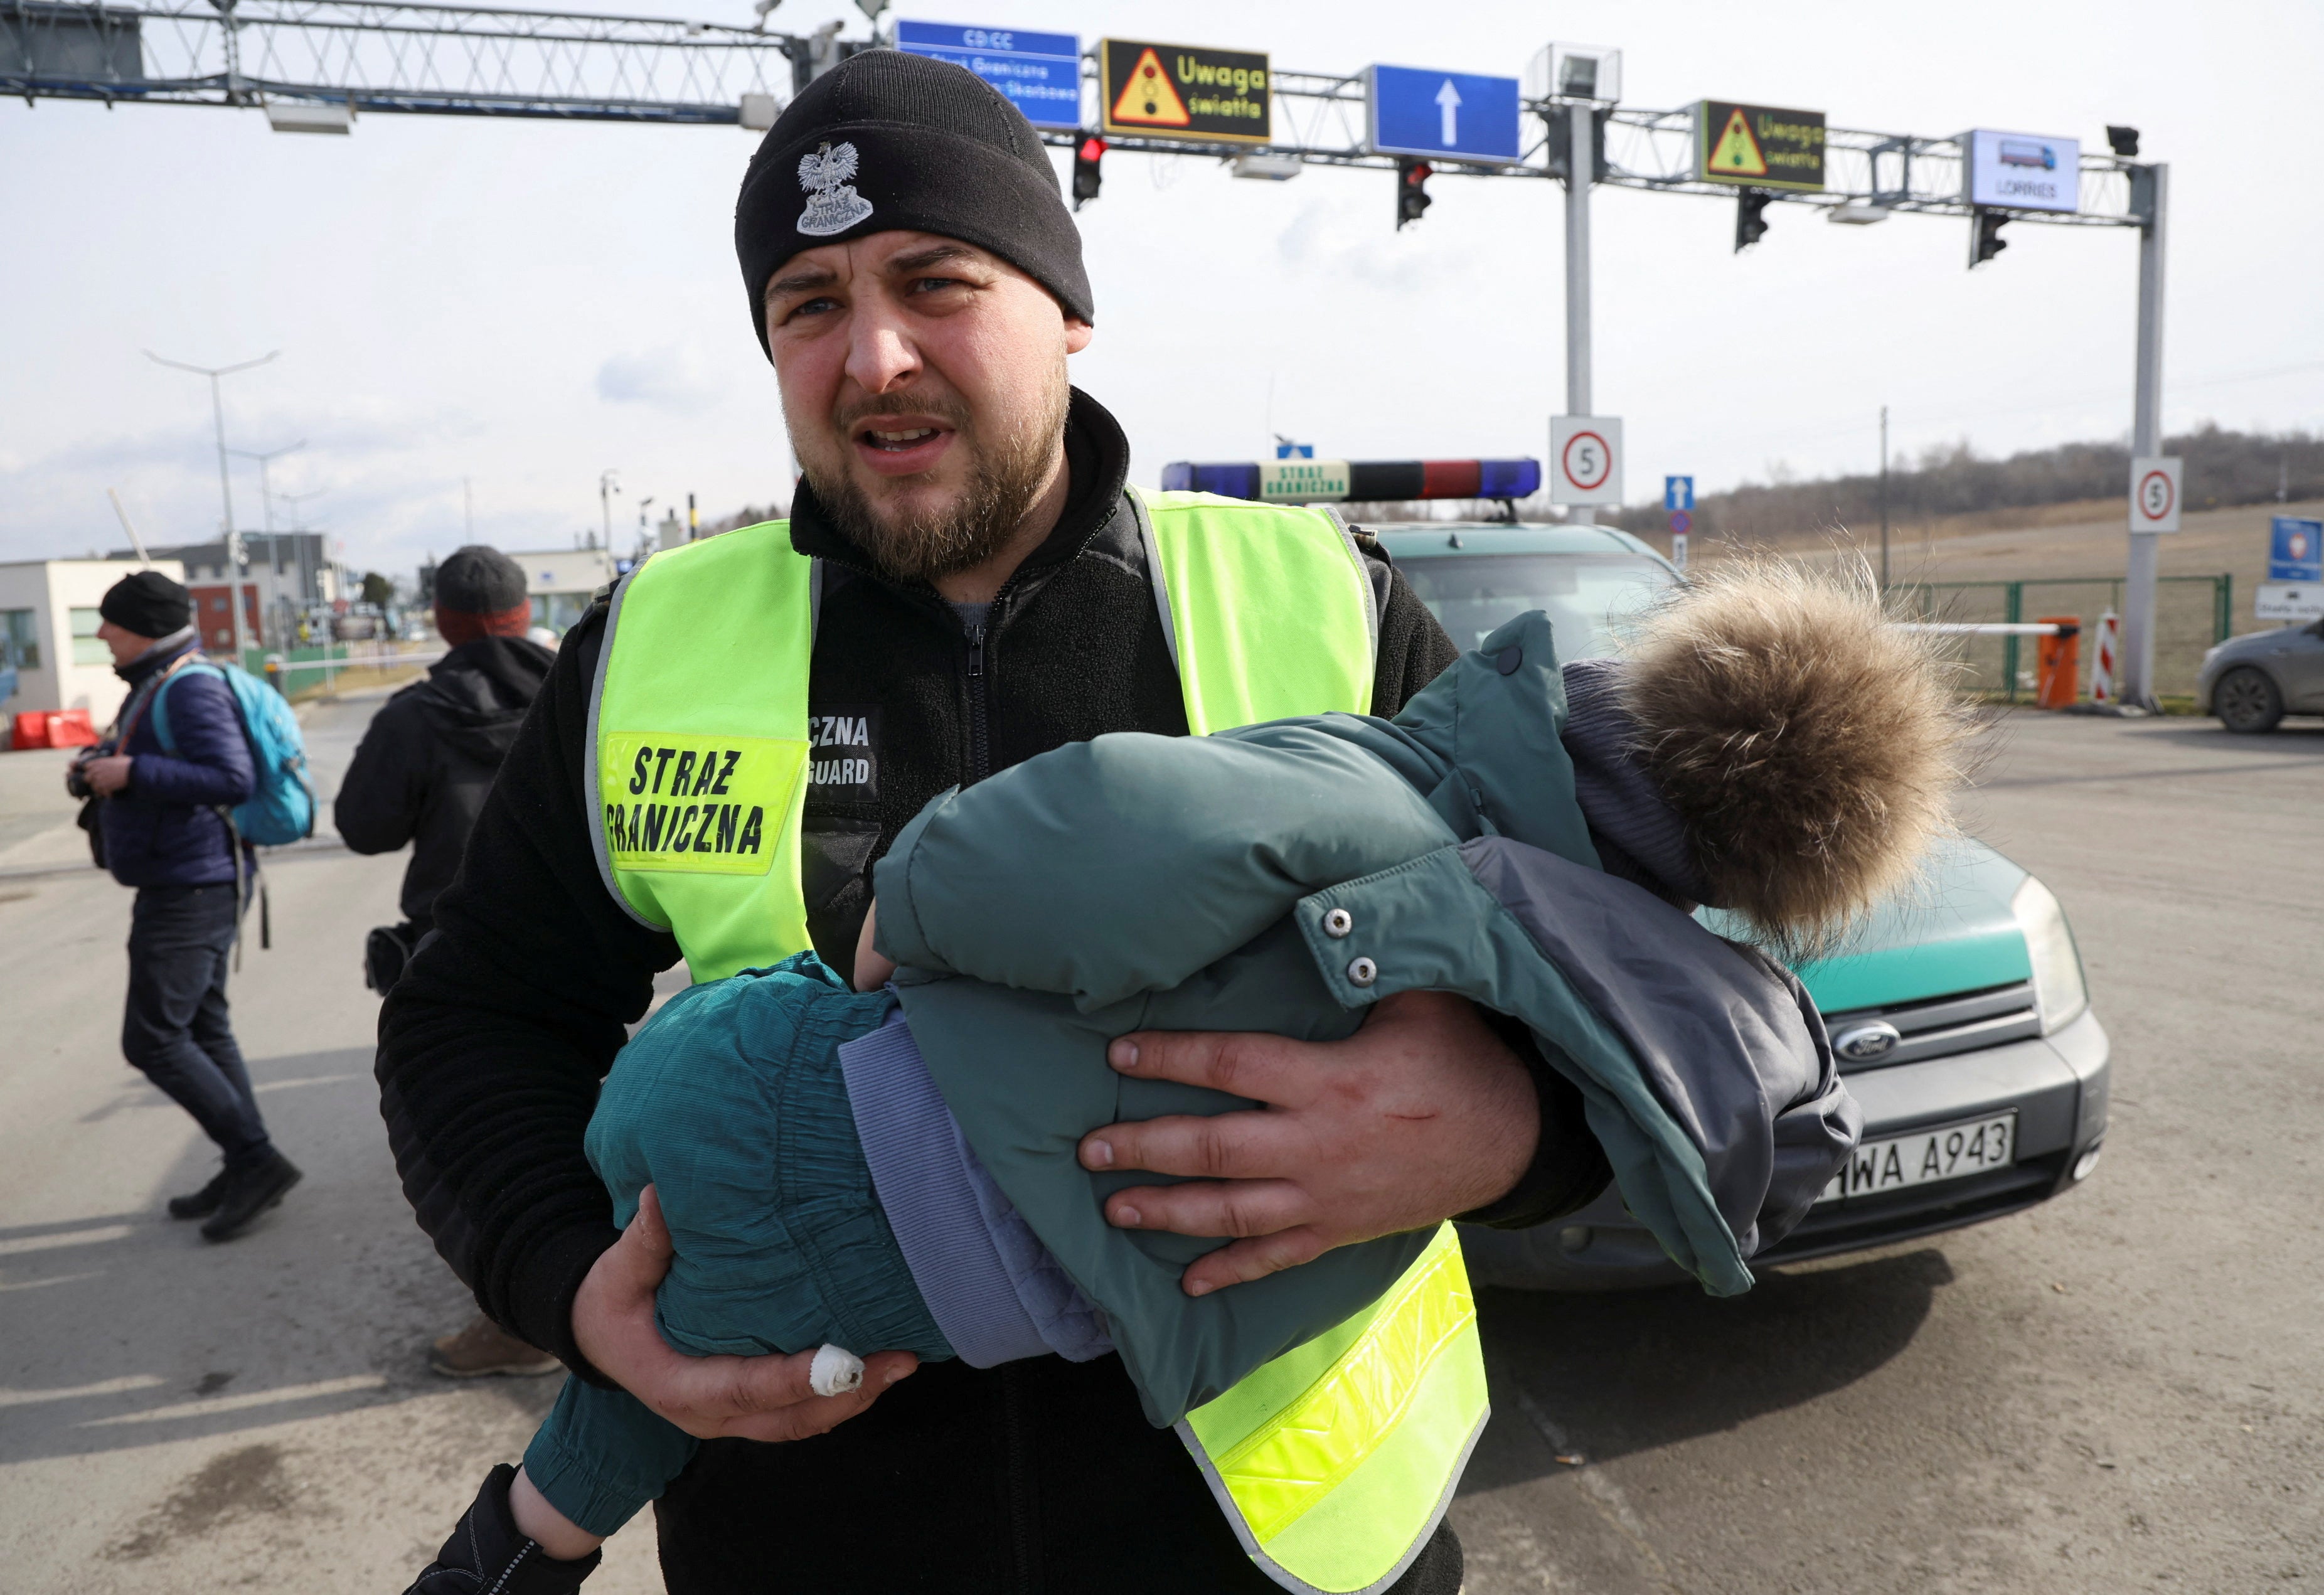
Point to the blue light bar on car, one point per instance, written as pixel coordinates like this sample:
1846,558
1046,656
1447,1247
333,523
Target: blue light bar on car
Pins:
1311,481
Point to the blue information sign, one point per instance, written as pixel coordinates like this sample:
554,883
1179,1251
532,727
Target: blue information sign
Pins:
1451,115
2295,552
1678,493
1041,73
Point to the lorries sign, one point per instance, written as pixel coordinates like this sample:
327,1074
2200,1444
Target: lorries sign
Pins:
1758,146
1184,91
2023,171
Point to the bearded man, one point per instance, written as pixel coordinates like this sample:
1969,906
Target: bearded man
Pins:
966,580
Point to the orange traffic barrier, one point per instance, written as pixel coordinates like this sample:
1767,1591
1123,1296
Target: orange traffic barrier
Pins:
52,728
2058,667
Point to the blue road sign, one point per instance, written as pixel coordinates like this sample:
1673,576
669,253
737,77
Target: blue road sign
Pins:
1678,493
2295,552
1041,73
1451,115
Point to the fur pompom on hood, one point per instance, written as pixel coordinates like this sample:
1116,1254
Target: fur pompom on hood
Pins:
1812,748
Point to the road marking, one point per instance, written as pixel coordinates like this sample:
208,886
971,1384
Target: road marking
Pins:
127,1382
25,1243
308,1080
216,1404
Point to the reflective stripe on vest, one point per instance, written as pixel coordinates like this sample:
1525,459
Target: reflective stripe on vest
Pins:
1335,1461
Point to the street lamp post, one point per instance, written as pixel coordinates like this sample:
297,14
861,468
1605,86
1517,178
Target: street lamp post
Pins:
225,488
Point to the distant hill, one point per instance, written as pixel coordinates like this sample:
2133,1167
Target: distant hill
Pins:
2224,468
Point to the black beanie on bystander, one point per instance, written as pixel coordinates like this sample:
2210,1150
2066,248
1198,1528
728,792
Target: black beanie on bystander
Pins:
887,141
147,604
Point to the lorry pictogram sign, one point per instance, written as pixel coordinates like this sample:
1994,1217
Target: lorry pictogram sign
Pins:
1737,154
1148,98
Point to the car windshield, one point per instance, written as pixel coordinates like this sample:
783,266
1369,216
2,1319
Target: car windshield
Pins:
1588,596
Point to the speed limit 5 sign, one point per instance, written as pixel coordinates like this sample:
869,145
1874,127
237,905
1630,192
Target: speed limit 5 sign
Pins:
1585,459
2154,494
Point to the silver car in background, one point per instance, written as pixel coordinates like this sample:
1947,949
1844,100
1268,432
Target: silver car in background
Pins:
2253,681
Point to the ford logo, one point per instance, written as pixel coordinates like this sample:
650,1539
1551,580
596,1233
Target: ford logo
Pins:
1868,1043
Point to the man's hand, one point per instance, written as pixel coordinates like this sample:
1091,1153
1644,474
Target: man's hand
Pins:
709,1397
1420,1115
108,775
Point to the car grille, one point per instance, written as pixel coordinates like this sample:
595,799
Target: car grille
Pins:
1942,1026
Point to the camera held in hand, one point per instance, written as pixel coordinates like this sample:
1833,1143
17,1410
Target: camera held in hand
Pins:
76,777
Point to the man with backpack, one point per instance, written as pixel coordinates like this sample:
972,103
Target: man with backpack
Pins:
421,776
169,780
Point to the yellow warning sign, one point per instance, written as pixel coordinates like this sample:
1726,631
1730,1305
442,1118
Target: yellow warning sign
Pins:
1737,152
1184,91
1758,146
1148,98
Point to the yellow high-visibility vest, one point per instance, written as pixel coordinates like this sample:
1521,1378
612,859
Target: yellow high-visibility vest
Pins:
1333,1462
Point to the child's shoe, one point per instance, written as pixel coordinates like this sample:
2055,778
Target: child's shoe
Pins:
487,1551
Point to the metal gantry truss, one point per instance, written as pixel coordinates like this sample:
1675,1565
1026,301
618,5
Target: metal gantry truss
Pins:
380,56
376,56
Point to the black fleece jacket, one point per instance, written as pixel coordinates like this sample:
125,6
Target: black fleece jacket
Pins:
428,757
1036,1474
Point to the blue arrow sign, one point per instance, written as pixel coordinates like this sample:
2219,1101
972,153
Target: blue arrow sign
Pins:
1450,115
1678,493
1041,73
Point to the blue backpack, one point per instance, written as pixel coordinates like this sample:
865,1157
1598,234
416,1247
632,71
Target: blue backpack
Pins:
281,807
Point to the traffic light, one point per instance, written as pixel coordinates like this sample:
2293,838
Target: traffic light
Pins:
1750,219
1412,191
1087,178
1985,239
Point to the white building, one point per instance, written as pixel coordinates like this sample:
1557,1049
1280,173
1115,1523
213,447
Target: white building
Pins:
562,581
48,634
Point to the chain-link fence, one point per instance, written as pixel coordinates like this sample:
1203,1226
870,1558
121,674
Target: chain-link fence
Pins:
2192,613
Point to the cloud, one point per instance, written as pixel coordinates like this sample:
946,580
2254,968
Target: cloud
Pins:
671,379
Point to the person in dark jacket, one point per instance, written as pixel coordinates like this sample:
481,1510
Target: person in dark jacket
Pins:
166,833
985,596
431,753
420,776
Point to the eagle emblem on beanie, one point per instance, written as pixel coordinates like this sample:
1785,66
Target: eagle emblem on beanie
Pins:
833,204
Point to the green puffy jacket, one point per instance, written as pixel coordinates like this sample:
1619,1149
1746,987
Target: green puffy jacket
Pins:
1144,883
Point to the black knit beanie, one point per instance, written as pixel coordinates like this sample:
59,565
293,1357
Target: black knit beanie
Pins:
148,604
886,140
478,579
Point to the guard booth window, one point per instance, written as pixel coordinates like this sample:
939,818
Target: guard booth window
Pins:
20,641
89,648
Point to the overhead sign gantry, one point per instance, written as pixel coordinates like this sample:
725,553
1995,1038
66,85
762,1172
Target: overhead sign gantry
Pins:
313,64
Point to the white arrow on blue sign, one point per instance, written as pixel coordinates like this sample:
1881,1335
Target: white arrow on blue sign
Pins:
1678,493
1041,73
1447,115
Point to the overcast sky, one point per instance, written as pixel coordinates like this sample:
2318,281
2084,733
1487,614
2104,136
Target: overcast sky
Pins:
523,305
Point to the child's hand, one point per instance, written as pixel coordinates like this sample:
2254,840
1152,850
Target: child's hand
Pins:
710,1397
874,969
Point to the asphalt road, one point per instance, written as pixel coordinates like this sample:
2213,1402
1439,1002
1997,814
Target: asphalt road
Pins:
2117,1391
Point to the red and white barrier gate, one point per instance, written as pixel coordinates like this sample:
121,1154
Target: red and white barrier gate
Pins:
2102,666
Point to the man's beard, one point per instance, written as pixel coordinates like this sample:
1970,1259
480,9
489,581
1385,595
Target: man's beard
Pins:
926,545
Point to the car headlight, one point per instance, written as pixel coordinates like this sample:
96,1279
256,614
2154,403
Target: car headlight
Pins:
2059,991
